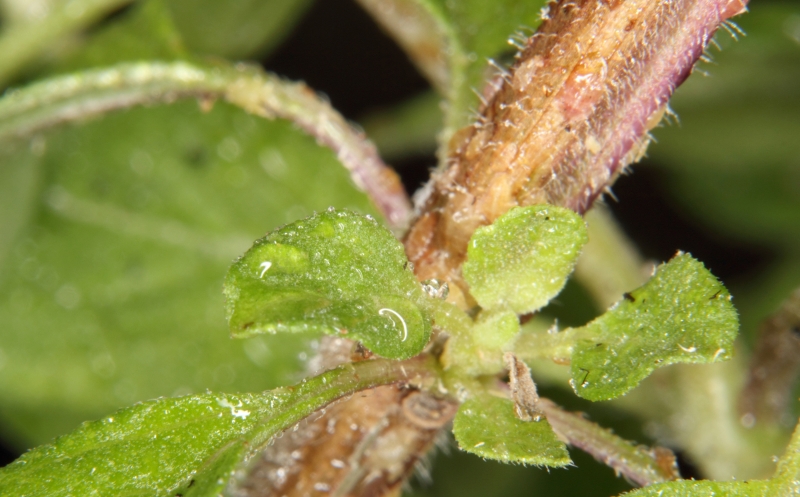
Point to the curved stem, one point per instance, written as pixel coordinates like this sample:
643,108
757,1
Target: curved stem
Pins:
315,393
23,42
89,93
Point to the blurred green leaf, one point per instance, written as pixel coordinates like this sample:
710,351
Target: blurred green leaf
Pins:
683,314
732,161
337,273
523,259
115,261
487,427
785,482
235,29
145,32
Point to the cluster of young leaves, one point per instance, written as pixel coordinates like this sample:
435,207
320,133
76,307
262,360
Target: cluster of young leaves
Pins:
343,274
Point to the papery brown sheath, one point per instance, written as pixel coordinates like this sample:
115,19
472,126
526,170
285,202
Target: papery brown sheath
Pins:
573,111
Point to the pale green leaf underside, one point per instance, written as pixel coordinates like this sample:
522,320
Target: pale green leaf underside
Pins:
337,273
523,259
683,314
688,488
487,427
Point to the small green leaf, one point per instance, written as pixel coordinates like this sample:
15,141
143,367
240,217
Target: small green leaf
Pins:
487,427
523,259
683,314
337,273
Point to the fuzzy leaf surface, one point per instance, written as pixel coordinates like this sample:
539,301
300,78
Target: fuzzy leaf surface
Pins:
148,449
189,445
336,273
487,427
523,259
683,314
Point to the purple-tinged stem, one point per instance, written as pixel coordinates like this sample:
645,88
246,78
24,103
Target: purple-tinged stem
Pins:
639,464
94,92
574,110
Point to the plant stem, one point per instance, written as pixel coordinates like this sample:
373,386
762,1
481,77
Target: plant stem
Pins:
315,393
90,93
574,110
20,43
639,464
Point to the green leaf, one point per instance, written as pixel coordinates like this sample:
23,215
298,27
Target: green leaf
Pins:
523,259
337,273
683,314
145,32
116,252
487,427
149,449
235,29
690,488
190,444
732,161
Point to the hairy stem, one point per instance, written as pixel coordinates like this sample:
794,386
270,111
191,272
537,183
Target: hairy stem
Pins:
315,393
573,111
24,41
641,465
90,93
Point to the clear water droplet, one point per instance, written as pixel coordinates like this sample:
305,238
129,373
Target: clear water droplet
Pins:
435,288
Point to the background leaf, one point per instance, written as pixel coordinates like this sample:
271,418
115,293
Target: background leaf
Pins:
335,272
523,259
487,427
683,314
112,283
235,29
